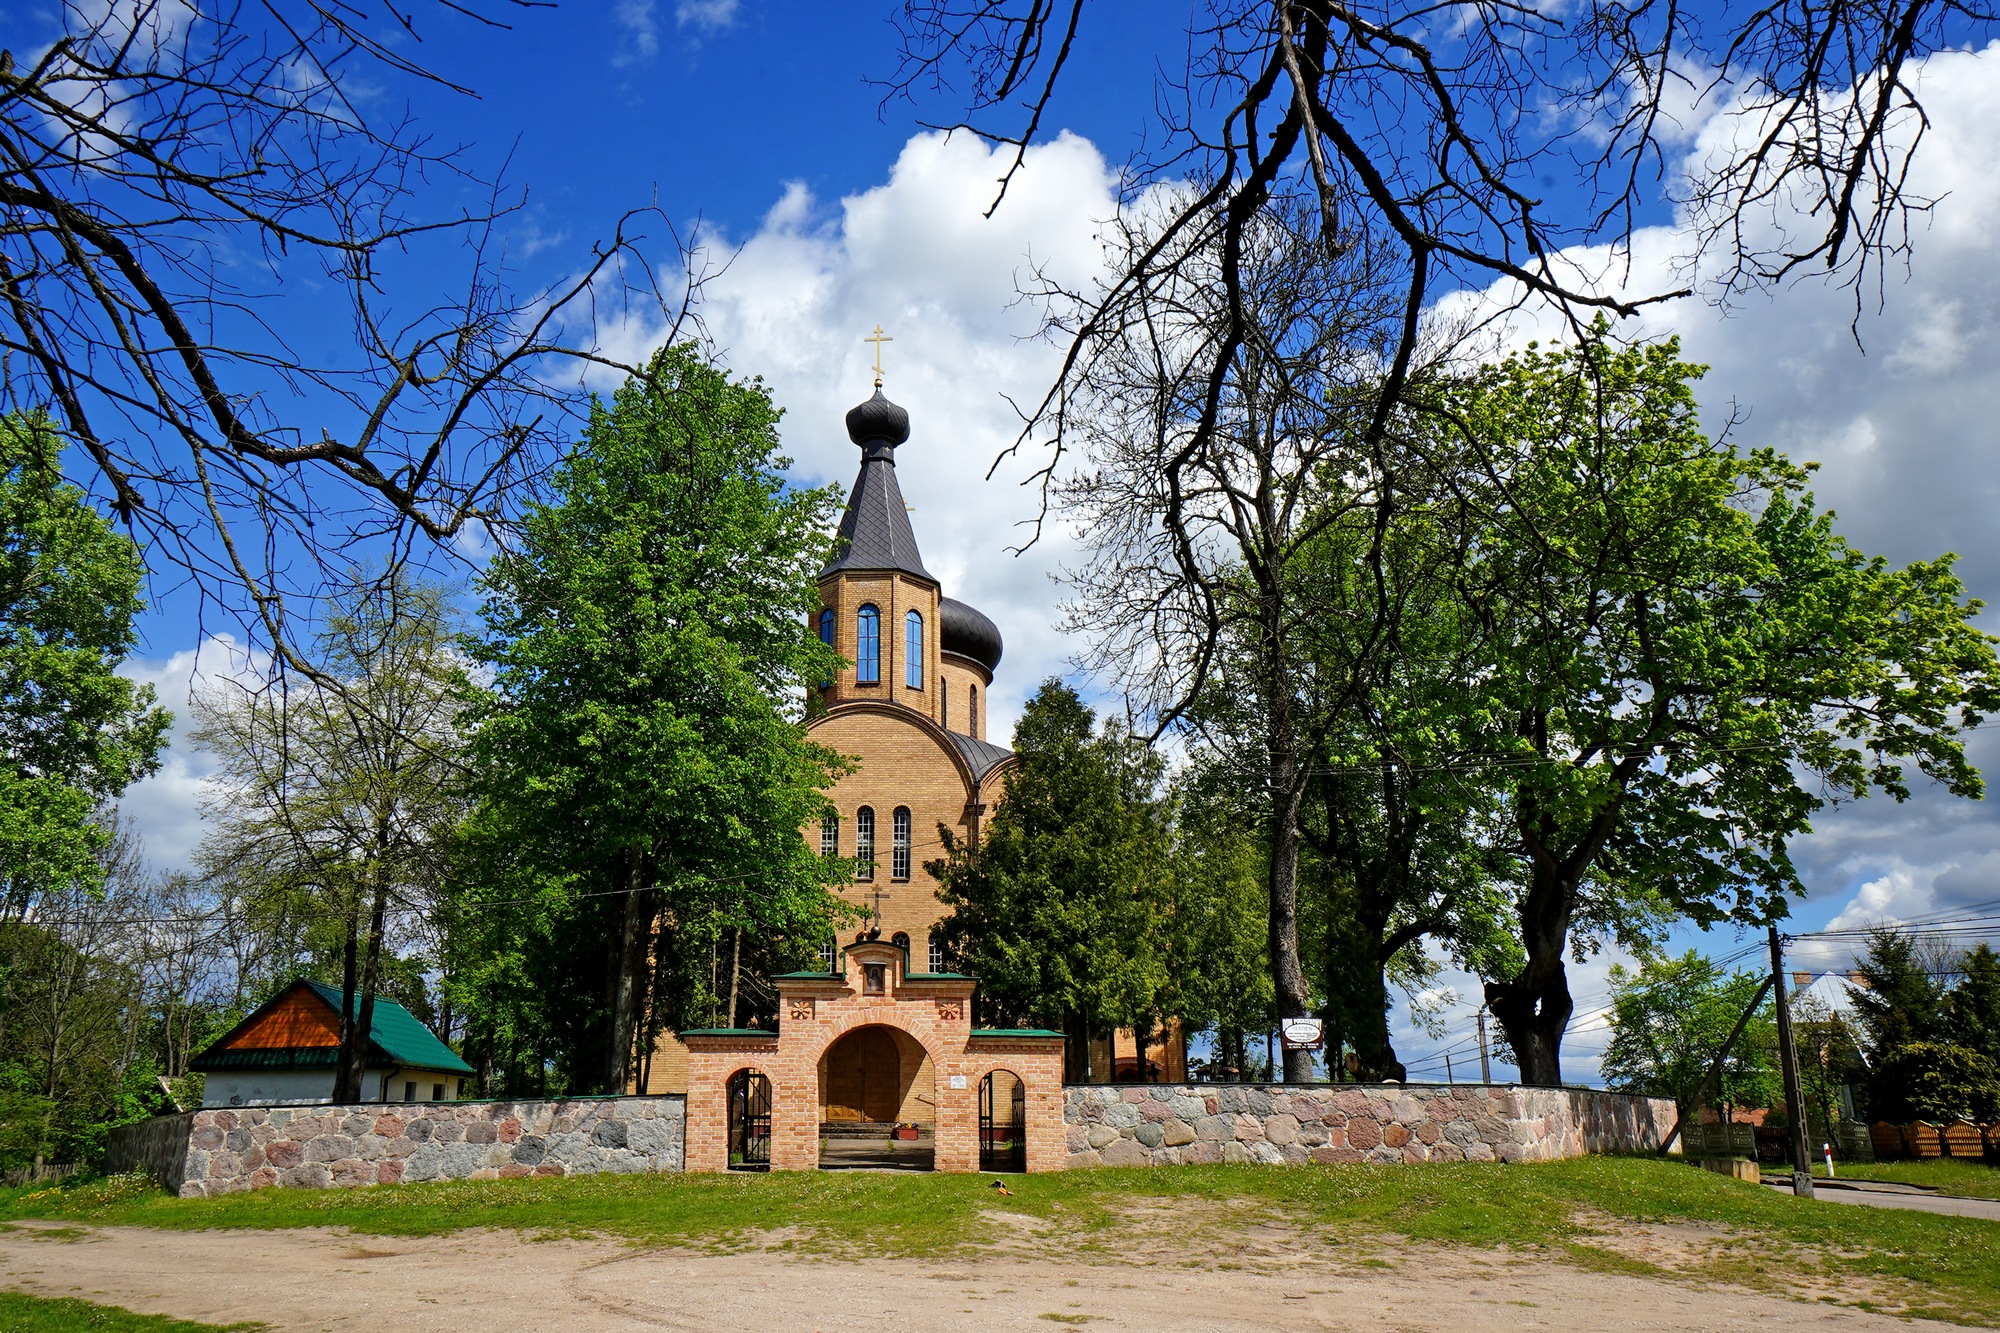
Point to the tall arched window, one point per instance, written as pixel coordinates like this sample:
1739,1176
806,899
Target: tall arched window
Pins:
972,716
944,702
936,953
913,650
829,835
899,850
868,646
826,627
864,843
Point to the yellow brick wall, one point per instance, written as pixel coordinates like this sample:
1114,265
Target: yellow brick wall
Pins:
894,595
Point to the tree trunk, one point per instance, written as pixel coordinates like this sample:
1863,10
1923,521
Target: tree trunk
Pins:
354,1055
625,992
735,973
343,1089
1534,1007
1076,1048
1288,977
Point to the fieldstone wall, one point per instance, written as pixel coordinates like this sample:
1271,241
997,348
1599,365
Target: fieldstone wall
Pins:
1172,1124
312,1147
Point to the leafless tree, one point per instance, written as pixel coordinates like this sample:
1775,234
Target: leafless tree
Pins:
1441,128
194,196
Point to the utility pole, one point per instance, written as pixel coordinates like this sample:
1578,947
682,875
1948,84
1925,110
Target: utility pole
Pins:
1485,1065
1788,1057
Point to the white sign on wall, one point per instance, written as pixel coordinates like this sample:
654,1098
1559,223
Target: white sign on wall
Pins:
1301,1034
958,1080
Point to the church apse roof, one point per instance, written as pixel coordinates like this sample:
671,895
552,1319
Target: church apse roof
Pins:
875,531
982,757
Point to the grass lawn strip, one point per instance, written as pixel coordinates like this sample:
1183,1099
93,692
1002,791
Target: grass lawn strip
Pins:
1575,1211
22,1313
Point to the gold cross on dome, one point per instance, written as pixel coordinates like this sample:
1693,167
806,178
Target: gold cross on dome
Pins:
878,339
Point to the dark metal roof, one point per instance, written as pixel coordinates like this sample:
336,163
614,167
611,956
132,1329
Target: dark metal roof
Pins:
875,530
967,632
982,756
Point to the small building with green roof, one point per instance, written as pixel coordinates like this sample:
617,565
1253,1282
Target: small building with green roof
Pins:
284,1055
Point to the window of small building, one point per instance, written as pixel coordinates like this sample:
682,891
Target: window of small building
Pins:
868,646
829,835
437,1092
913,650
864,843
899,853
409,1090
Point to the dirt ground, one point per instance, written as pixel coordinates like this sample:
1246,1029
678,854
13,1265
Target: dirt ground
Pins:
500,1282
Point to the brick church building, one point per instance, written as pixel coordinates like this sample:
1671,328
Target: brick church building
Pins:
910,705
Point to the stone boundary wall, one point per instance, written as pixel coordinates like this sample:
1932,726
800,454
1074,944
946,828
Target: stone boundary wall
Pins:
157,1146
1175,1124
225,1150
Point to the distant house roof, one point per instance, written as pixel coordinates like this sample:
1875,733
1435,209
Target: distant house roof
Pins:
299,1028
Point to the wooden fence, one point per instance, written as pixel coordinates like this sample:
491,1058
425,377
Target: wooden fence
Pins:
1921,1141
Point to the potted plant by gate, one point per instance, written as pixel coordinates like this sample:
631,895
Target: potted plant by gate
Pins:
905,1132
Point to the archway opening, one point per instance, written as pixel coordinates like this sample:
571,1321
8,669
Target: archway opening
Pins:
749,1121
878,1102
1003,1122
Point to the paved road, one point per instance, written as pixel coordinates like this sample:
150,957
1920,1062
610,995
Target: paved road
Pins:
1882,1194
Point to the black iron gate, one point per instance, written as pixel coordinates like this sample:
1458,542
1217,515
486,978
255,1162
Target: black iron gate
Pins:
1003,1143
749,1121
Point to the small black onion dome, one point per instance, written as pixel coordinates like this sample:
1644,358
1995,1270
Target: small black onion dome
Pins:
878,419
968,633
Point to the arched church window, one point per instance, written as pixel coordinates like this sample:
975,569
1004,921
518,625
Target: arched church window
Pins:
826,627
936,960
864,843
913,650
901,939
829,835
899,851
944,702
868,646
972,718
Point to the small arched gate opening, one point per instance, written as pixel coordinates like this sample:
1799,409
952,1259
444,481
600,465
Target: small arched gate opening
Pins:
1003,1122
749,1121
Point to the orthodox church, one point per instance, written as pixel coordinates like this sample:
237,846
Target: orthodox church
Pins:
910,706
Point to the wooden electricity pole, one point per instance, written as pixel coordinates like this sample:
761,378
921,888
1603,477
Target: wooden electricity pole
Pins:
1788,1057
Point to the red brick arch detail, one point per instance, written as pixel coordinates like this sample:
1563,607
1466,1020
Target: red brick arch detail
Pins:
831,1030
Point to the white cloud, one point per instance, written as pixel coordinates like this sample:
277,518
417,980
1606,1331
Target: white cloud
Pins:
166,807
641,28
706,15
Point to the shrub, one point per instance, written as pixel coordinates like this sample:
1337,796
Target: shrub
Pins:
1937,1082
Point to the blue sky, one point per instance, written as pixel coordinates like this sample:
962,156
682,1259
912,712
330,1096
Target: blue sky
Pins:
754,126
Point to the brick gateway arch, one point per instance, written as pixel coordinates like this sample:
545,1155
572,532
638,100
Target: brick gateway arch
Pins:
873,988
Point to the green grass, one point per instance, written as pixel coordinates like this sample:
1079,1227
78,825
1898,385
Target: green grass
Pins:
1920,1263
21,1313
1951,1175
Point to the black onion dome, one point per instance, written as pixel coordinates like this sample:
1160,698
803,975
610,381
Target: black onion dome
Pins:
968,633
878,419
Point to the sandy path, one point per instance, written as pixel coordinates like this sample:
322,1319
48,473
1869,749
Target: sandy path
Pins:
496,1282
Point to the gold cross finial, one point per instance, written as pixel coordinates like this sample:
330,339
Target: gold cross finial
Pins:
878,339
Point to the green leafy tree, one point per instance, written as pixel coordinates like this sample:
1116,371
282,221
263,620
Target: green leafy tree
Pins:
1057,910
1217,968
336,800
73,732
1685,662
650,645
1668,1022
1974,1004
1897,998
1935,1081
